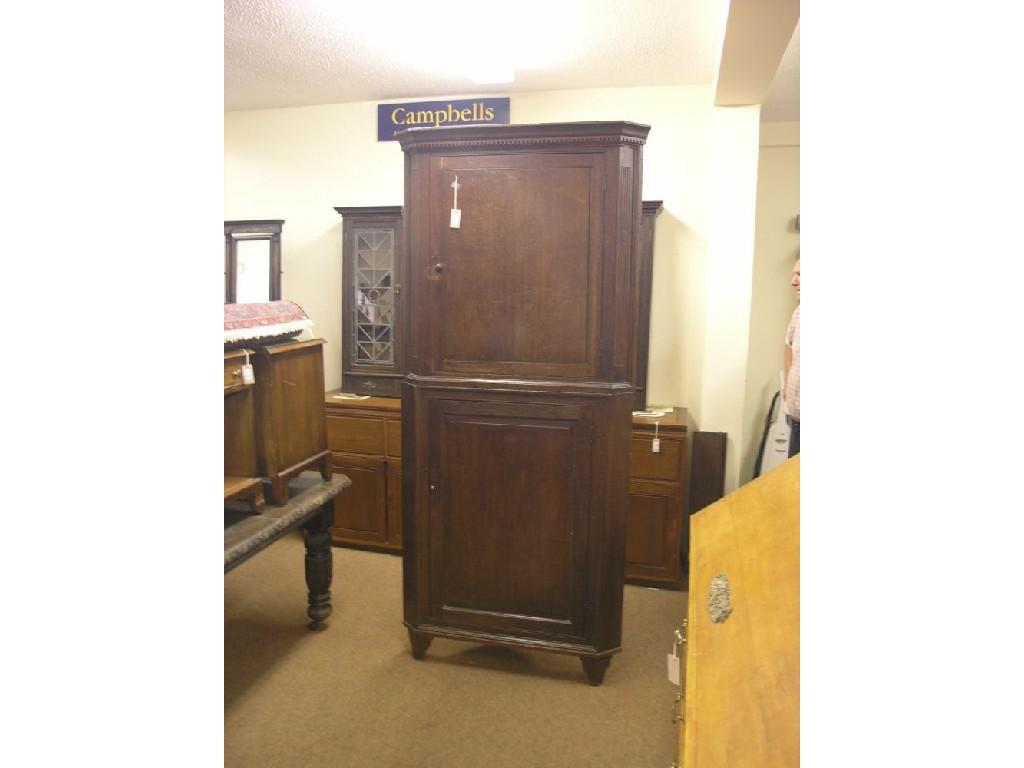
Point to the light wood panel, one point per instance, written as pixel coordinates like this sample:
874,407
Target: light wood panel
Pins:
742,683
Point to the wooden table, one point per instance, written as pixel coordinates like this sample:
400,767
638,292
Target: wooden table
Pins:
310,506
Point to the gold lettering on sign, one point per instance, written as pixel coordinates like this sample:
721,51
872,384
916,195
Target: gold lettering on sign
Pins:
476,113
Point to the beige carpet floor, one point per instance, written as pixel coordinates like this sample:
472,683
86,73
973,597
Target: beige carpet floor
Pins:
353,696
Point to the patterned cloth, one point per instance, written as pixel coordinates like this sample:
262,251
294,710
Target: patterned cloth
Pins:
243,322
791,397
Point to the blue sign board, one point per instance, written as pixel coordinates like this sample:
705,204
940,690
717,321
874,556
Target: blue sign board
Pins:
435,114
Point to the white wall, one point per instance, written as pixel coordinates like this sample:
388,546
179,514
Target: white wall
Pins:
775,246
732,197
297,164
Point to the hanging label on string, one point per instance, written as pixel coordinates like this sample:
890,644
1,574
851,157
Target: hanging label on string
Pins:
456,220
248,377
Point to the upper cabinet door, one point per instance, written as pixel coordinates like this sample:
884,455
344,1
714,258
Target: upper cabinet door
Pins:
521,250
518,283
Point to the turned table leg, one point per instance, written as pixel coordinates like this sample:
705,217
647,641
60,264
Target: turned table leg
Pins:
595,667
420,641
319,565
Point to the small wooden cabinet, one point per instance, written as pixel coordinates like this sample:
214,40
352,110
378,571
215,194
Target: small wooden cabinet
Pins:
365,441
657,526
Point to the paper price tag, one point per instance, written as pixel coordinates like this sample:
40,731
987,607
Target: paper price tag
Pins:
673,669
248,377
656,445
456,220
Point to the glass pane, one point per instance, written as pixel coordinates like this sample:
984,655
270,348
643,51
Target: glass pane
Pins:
373,314
252,283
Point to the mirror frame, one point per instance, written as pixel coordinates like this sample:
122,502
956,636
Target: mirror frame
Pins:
251,229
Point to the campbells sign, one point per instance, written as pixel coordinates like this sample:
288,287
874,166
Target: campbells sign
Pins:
434,114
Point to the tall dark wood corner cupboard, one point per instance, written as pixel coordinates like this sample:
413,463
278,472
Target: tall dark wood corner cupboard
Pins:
516,407
372,258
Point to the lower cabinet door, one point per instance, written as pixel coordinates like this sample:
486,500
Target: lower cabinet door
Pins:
653,534
509,516
360,513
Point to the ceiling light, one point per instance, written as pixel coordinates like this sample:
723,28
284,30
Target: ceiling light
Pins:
462,41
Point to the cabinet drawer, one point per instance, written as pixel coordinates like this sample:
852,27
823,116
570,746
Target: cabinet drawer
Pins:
666,465
356,434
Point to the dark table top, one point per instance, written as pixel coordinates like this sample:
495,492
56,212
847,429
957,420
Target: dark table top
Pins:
245,533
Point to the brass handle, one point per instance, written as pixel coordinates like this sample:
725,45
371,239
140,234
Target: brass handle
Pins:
680,634
439,268
237,372
370,385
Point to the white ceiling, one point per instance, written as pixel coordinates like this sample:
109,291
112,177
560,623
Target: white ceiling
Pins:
288,53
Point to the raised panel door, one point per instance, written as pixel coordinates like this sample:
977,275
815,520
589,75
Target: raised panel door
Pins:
653,519
519,282
360,514
508,516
